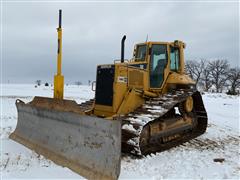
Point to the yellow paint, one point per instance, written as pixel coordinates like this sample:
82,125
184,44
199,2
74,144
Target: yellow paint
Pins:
103,111
119,88
176,78
59,55
58,86
188,104
131,94
131,101
58,78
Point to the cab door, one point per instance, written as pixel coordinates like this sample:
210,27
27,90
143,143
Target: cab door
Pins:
158,62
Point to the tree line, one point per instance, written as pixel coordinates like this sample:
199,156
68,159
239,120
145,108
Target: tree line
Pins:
215,75
78,83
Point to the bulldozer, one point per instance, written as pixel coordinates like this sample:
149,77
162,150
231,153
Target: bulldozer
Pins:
143,105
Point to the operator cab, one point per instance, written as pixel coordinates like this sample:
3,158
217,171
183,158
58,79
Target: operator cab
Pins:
159,56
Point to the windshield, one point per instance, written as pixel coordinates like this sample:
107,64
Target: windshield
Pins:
174,59
141,53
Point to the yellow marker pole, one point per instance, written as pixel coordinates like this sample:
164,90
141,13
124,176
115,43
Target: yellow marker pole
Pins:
58,78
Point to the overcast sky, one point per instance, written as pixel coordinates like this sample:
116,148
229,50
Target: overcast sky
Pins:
92,33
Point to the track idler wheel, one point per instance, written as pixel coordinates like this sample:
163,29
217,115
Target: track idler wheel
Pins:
186,106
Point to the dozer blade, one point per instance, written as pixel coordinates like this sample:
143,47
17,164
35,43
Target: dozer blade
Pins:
88,145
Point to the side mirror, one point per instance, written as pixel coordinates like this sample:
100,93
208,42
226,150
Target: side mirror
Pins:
94,86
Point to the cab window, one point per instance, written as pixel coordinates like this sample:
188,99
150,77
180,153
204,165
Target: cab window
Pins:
141,53
174,59
157,65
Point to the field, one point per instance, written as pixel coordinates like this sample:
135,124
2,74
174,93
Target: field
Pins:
194,159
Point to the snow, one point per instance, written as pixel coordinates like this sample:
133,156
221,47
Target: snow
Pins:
194,159
224,110
128,127
154,109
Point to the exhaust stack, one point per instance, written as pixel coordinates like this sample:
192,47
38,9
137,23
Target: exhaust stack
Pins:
122,48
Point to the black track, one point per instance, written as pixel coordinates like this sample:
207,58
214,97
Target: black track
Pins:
157,109
132,140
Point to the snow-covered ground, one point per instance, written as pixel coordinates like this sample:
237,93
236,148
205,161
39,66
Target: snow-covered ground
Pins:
194,159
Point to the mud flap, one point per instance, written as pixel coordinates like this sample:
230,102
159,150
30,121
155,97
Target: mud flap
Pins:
88,145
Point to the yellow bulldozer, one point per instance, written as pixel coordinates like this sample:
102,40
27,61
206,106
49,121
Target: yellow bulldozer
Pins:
143,105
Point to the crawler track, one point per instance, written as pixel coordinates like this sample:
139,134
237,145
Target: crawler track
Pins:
136,129
137,136
87,105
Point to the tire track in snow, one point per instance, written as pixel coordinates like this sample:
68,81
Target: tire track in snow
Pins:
21,162
210,144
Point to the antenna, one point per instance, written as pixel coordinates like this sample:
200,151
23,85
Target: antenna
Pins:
147,38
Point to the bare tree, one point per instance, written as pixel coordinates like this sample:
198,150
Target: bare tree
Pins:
195,69
234,79
38,82
190,68
205,77
218,72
